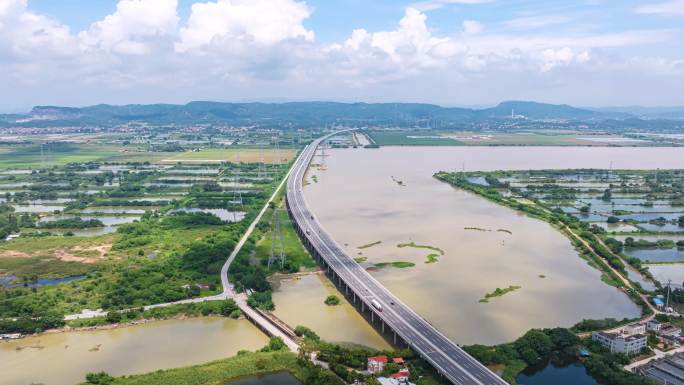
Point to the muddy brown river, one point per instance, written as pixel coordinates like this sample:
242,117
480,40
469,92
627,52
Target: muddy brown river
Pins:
65,358
367,195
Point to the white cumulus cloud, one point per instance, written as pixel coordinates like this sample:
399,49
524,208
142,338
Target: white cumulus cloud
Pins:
131,27
27,35
143,52
409,48
264,22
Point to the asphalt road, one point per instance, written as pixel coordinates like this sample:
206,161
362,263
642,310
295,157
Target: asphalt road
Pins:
449,359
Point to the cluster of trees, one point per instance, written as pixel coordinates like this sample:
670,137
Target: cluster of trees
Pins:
24,196
315,375
180,220
613,219
305,332
11,222
32,324
496,183
206,256
642,243
607,195
71,223
120,202
536,346
151,283
246,275
605,253
608,369
100,378
614,245
275,344
589,325
261,299
532,348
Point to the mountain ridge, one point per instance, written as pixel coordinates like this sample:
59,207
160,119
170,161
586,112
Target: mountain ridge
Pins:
311,113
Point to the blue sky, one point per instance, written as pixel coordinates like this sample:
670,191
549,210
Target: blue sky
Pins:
453,52
333,20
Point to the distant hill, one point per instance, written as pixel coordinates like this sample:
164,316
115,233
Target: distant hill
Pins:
534,110
646,112
306,114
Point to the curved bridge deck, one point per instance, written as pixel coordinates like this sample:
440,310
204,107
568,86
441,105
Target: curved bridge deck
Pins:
443,354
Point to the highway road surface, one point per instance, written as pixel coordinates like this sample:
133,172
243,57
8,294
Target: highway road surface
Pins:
446,357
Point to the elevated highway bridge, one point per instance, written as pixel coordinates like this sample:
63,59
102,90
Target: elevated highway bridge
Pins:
386,311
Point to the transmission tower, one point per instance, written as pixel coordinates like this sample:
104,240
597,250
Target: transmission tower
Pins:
260,170
276,154
42,155
277,242
667,300
237,192
323,154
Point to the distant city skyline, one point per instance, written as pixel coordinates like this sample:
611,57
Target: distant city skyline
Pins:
447,52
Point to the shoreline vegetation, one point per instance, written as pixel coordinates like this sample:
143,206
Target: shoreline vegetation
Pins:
483,230
368,245
396,264
430,258
499,292
244,364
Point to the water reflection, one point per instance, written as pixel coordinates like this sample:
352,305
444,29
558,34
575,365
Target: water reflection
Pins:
279,378
558,371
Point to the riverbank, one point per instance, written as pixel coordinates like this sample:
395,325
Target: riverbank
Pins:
243,365
111,326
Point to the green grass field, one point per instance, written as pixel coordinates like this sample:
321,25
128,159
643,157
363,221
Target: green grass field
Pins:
23,156
28,156
58,154
245,155
245,364
529,139
460,138
411,138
